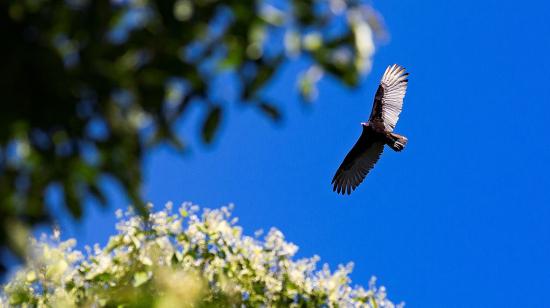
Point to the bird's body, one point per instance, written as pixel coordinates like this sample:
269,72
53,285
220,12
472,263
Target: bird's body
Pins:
377,132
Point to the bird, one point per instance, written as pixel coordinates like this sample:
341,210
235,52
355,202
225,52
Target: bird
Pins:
377,132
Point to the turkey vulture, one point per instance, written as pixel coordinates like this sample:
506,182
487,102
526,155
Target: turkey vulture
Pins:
377,132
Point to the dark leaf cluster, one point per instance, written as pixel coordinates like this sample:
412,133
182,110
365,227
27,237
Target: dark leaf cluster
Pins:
88,86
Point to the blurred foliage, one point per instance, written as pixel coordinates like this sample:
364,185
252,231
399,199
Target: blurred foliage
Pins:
88,86
183,259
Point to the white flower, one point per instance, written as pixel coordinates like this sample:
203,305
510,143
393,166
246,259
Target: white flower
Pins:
364,41
185,258
118,213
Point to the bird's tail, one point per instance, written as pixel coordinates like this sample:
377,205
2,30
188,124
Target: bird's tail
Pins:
397,142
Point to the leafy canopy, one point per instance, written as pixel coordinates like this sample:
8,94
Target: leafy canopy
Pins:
87,87
183,260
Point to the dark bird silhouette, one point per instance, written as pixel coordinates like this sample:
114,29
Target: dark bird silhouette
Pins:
377,132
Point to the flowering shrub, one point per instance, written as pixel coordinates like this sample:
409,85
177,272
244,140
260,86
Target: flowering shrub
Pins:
178,260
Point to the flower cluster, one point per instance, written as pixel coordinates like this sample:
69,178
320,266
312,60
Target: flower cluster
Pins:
182,259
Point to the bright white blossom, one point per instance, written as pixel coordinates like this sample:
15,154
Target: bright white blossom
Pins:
182,259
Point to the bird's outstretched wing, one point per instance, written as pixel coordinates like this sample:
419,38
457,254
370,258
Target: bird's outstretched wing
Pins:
357,164
388,101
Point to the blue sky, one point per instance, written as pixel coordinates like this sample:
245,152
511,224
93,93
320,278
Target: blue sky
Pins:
458,219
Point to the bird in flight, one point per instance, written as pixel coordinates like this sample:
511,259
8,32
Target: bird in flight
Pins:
377,132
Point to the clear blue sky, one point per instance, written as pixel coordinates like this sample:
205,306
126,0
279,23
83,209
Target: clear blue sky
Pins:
461,218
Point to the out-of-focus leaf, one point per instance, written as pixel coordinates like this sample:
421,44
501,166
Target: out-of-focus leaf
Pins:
177,143
265,72
307,83
96,192
140,278
18,236
271,111
304,11
72,200
234,57
211,124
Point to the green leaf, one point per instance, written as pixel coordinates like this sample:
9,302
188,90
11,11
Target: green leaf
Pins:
96,192
140,278
266,70
211,124
271,111
183,212
72,199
